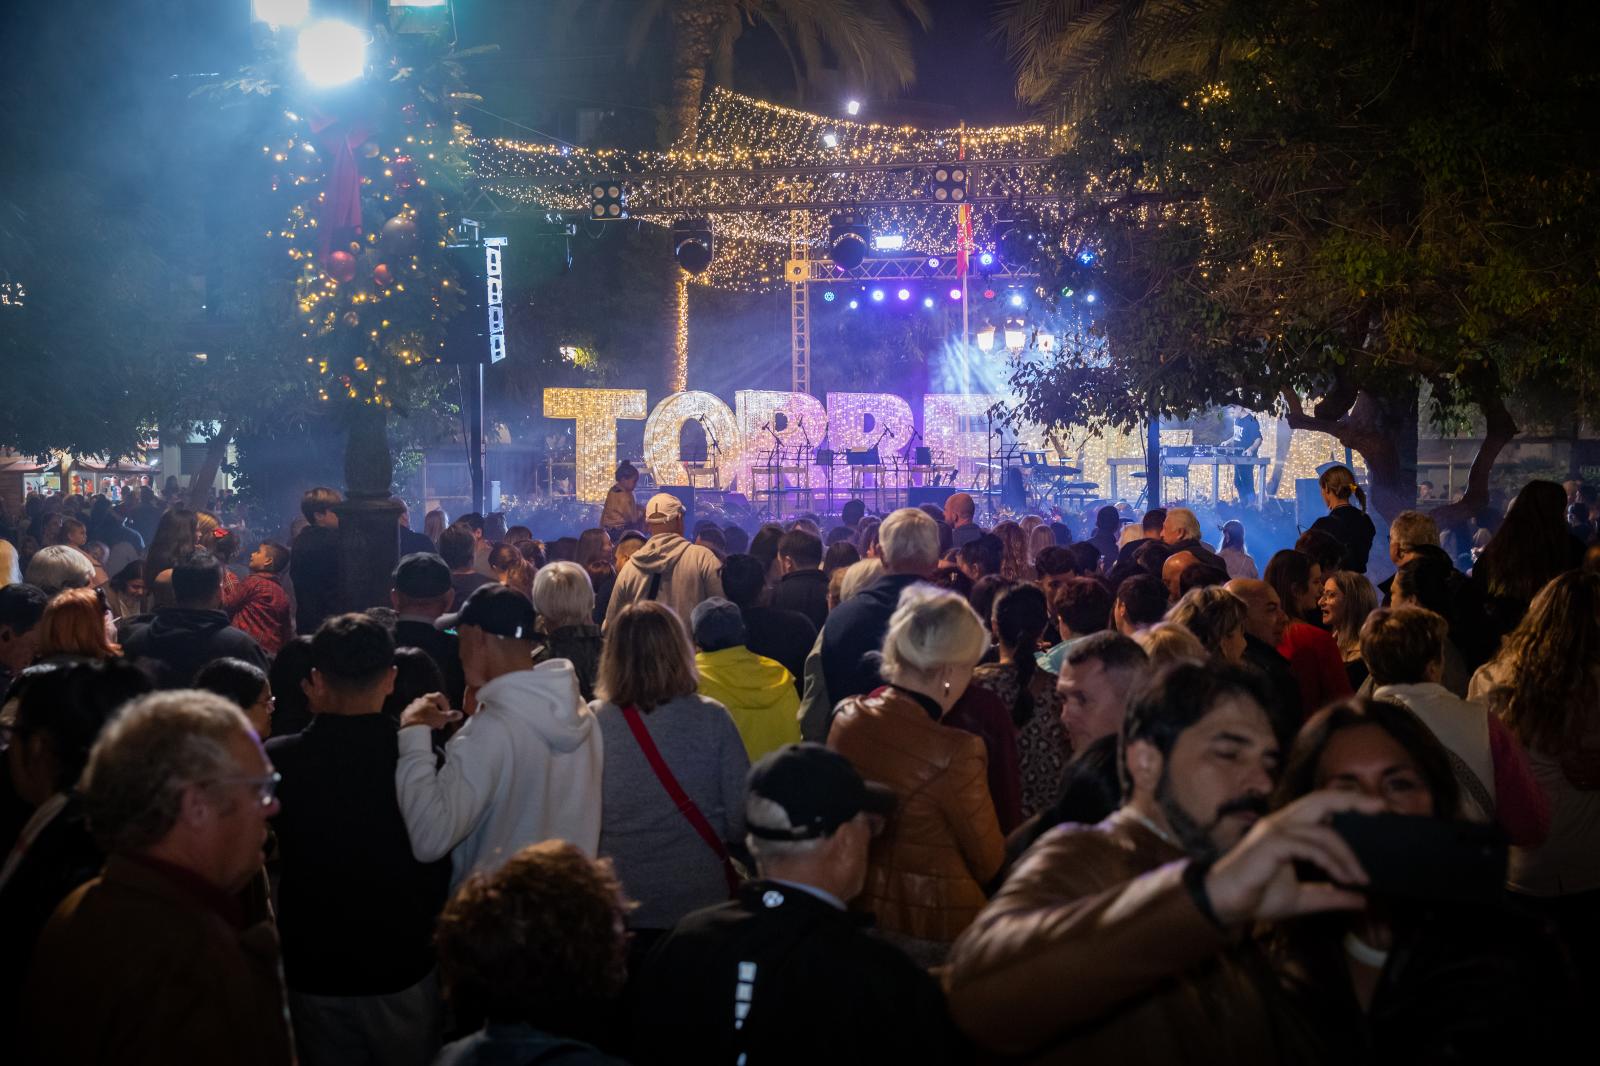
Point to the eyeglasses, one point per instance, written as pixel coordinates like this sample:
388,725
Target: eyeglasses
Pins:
266,787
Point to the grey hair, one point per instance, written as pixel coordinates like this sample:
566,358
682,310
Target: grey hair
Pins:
58,567
930,629
859,575
769,814
908,541
563,594
148,754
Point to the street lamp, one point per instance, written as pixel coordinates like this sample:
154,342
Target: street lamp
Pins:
332,53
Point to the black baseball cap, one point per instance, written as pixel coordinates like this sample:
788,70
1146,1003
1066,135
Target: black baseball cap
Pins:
817,788
498,610
422,576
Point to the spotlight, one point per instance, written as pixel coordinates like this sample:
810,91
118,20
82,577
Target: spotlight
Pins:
955,294
988,294
1067,291
877,296
848,239
986,259
948,185
927,301
608,200
933,262
854,304
1089,299
904,294
691,244
276,13
1016,299
827,297
853,107
1086,257
830,139
331,53
889,242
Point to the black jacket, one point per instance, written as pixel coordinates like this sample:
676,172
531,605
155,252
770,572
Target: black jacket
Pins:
786,636
355,909
442,648
178,641
1351,527
854,634
814,988
62,857
314,569
1286,712
580,645
805,591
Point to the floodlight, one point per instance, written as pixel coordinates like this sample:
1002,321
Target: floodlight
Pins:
332,53
877,296
853,107
692,244
904,294
848,239
830,139
281,13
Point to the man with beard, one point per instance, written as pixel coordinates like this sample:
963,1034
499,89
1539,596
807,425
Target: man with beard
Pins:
1126,941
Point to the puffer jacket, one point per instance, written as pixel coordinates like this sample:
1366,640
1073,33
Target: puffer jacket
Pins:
758,693
943,843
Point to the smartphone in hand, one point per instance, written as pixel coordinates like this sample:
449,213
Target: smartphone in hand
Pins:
1429,859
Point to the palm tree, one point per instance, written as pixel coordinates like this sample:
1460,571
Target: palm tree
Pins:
869,39
1064,51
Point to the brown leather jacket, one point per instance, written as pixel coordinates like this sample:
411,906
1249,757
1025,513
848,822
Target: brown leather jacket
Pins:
1095,952
929,864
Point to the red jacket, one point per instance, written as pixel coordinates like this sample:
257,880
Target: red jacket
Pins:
1317,666
259,606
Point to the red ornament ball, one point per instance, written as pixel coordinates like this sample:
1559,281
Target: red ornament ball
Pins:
342,266
382,274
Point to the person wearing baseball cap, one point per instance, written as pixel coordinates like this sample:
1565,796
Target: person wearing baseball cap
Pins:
668,569
525,768
422,592
784,973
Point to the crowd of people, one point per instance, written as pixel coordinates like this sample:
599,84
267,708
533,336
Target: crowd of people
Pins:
859,788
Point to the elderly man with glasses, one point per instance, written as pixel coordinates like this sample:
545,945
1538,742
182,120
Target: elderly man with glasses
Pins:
169,955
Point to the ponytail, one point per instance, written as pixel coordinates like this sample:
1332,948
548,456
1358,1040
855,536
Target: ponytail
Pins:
1020,617
1361,497
1340,483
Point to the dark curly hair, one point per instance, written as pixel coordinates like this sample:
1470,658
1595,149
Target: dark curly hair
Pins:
541,940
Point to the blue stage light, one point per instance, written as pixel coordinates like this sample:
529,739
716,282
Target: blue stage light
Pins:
986,259
1089,298
1016,299
1086,257
877,295
827,297
927,301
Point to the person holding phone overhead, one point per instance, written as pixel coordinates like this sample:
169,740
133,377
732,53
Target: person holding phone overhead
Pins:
1434,967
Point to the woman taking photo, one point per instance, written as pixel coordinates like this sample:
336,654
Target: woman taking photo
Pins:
1415,976
661,736
927,869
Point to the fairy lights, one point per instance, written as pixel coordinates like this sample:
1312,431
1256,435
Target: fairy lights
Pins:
596,412
662,433
680,339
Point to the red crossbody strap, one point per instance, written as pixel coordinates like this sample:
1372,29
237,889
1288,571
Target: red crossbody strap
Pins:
686,806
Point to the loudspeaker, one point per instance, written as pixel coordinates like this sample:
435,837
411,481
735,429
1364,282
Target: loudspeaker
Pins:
1308,505
917,495
685,495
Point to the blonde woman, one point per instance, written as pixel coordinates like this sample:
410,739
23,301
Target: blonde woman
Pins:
1349,526
1017,562
1345,601
927,870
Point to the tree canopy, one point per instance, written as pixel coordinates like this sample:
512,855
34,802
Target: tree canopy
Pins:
1352,200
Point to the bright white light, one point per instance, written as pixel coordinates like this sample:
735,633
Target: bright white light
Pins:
854,304
933,262
1015,339
1016,299
904,294
1089,298
332,53
889,242
927,301
277,13
830,139
986,339
853,107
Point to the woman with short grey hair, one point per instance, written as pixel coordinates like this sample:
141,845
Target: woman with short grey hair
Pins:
564,599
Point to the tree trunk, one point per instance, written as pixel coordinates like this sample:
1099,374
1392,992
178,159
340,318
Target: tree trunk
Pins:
694,32
369,519
201,480
1499,429
1382,427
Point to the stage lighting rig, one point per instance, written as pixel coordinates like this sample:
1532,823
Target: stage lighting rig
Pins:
948,183
608,200
692,244
331,53
849,239
1019,242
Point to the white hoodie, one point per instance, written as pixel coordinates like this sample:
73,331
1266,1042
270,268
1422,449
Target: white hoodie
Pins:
525,768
